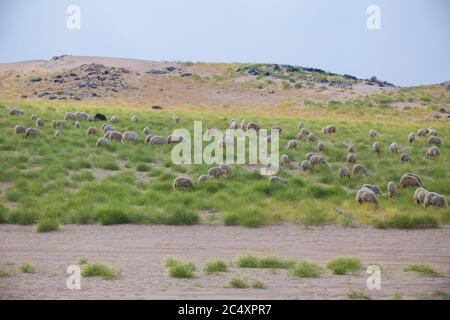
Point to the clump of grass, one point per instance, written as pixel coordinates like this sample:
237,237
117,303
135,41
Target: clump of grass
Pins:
28,268
407,221
305,269
82,261
144,167
257,284
4,273
422,269
344,265
239,282
397,296
440,295
47,224
251,261
216,266
180,269
357,295
100,270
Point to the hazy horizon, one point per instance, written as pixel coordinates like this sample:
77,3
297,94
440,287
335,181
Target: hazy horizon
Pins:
411,48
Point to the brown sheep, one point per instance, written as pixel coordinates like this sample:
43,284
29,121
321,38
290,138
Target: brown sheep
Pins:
393,147
419,195
32,132
391,189
433,199
182,183
404,157
329,129
376,148
15,112
434,140
91,130
344,173
215,172
351,158
19,129
411,137
366,195
359,169
284,159
433,152
410,180
309,155
292,145
312,138
317,160
305,165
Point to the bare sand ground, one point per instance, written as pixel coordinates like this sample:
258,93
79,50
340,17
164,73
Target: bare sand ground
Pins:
140,250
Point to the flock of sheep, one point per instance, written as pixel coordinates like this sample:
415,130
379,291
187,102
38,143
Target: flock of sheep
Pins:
368,193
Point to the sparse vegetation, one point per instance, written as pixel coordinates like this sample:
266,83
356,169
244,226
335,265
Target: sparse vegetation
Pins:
422,269
305,269
180,269
257,284
216,266
252,261
4,273
358,295
239,282
344,265
28,268
100,270
47,224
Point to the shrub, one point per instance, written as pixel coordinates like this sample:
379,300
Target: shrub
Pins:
306,269
239,282
143,167
100,270
422,269
47,224
407,221
358,295
216,266
230,219
251,261
258,285
111,215
344,265
28,268
180,269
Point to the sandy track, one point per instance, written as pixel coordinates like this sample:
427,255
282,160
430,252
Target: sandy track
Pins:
140,251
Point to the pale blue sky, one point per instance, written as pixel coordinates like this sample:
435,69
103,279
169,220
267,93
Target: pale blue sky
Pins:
411,48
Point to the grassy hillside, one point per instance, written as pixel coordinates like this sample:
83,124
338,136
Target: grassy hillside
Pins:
69,180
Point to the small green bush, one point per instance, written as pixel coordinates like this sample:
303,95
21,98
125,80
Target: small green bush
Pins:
47,224
344,265
28,268
239,282
422,269
216,266
180,269
100,270
305,269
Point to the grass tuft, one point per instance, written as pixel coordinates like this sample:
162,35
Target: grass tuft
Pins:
216,266
100,270
305,269
422,269
180,269
345,265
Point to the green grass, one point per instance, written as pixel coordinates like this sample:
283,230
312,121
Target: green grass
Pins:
407,221
252,261
180,269
4,273
358,295
47,224
216,266
239,282
422,269
257,284
305,269
82,261
100,270
28,268
345,265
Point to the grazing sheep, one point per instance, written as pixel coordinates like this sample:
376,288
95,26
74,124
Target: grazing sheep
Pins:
129,136
157,140
376,148
215,172
134,119
344,173
393,147
374,188
253,126
305,165
39,122
19,129
359,169
174,139
421,132
433,199
312,138
433,152
284,159
329,129
92,130
432,132
32,132
107,128
58,133
244,124
391,189
309,155
411,137
114,119
419,195
351,148
320,146
317,160
148,137
292,145
90,118
434,140
102,142
70,116
279,180
301,125
34,117
404,157
146,130
366,195
225,168
351,158
175,119
58,123
300,136
203,178
182,183
225,140
304,131
77,124
15,112
372,133
234,125
410,180
113,135
81,115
